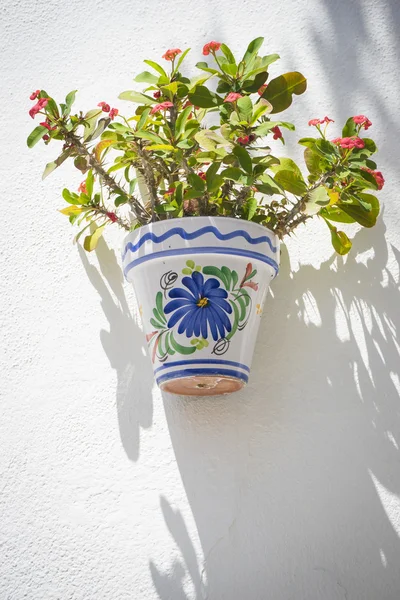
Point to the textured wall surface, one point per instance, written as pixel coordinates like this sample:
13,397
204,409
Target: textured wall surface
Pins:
289,490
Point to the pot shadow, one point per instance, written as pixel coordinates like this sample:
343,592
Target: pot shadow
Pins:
288,485
124,345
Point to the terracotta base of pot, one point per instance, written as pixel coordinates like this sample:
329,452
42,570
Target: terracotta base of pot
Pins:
202,385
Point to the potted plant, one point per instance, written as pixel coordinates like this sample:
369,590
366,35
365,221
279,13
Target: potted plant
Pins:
191,176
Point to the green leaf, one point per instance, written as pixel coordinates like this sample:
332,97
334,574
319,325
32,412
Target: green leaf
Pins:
312,160
252,50
244,159
350,128
82,163
316,199
291,182
281,89
334,213
165,208
36,136
90,122
143,118
89,183
187,271
90,242
325,148
69,100
181,120
211,172
228,54
287,164
149,135
204,141
136,97
51,166
196,182
251,208
359,213
253,85
156,67
70,197
204,67
181,59
340,241
264,63
146,77
191,264
72,211
204,98
160,147
232,173
264,128
245,108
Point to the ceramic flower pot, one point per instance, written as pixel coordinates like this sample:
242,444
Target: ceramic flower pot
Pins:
201,284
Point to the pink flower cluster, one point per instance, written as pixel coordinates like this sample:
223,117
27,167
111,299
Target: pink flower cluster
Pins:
315,122
377,175
349,142
362,120
171,54
211,47
41,103
232,97
113,112
162,106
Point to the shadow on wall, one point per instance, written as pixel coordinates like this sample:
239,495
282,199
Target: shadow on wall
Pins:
289,487
124,346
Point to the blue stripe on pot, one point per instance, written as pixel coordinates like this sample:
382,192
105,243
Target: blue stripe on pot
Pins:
205,361
157,239
208,250
204,372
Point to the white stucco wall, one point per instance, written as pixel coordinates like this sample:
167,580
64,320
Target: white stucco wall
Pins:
289,490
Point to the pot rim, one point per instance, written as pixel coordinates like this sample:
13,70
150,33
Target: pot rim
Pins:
207,217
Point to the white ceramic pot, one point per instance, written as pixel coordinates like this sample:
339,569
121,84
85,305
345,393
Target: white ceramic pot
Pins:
201,284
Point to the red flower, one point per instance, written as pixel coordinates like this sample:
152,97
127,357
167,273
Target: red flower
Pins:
104,106
170,191
211,47
202,175
41,103
262,89
46,137
82,187
157,95
162,106
171,54
349,142
327,120
362,120
113,113
232,97
377,175
243,140
277,132
244,282
34,95
112,216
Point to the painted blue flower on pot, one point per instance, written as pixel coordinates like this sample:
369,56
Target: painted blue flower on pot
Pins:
201,306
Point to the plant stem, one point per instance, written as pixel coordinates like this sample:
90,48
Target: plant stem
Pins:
140,213
291,220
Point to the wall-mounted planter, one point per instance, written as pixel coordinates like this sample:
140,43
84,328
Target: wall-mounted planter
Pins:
201,284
